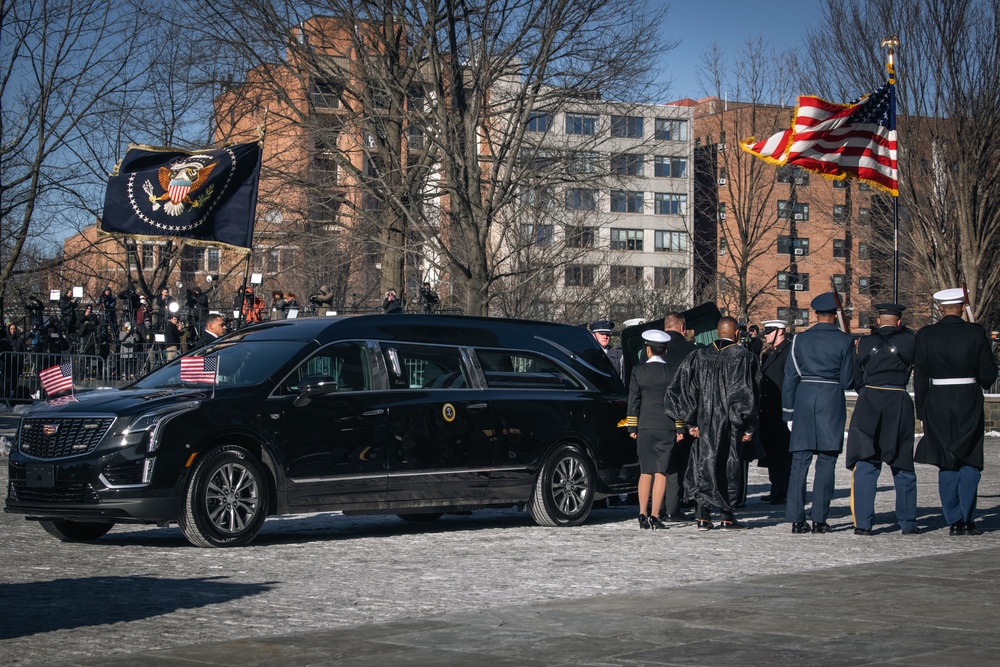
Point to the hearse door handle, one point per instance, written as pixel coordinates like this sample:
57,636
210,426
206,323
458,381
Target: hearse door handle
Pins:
478,406
372,413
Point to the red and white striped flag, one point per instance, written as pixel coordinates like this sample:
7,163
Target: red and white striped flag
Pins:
840,140
57,379
200,370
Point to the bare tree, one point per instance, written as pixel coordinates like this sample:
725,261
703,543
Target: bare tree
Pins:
948,66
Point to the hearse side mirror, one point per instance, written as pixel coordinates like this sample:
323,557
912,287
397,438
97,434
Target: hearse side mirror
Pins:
312,386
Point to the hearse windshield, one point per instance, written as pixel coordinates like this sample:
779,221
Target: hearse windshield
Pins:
239,364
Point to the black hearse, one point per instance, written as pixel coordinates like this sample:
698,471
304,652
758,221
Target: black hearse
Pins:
415,415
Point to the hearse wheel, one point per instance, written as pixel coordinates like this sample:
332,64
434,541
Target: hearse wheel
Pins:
76,531
564,489
225,502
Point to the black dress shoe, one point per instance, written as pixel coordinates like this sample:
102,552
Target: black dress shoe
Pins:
801,527
972,529
766,498
821,527
655,523
732,525
916,530
862,531
704,524
957,528
643,522
780,500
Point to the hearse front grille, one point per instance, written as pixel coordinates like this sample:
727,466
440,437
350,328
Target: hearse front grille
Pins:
62,437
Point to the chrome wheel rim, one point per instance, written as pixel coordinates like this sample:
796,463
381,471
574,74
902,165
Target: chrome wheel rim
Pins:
570,485
232,498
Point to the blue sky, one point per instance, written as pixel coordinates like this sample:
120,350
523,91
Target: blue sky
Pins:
697,23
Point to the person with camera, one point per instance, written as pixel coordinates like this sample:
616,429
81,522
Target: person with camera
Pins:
196,303
67,311
428,299
35,310
391,304
323,299
161,308
277,305
109,305
130,301
291,305
89,326
172,337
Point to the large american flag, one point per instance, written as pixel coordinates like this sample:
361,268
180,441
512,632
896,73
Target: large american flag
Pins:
201,370
57,379
839,140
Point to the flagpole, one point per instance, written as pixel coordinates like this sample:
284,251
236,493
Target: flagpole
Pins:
892,41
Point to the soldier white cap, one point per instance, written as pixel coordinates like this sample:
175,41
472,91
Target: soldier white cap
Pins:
770,325
634,321
950,296
655,336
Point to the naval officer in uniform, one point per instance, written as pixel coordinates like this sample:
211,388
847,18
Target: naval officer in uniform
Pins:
952,366
819,369
881,428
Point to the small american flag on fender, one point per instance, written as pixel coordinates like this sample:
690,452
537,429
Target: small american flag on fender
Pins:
57,379
200,370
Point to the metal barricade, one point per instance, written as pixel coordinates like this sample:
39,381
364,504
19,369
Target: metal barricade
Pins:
19,381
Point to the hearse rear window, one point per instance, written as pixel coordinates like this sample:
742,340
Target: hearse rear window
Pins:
523,370
424,366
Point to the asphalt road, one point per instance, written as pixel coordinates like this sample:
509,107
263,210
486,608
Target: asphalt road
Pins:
144,588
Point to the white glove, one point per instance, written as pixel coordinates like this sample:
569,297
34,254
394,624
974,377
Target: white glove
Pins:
789,424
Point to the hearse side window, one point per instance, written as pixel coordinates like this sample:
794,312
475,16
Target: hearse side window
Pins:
345,363
424,366
523,370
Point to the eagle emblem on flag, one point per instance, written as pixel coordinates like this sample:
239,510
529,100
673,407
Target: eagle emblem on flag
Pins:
180,180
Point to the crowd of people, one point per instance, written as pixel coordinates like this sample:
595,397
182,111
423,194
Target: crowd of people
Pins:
699,415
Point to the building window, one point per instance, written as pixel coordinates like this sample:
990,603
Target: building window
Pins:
628,164
793,282
863,215
414,138
584,163
723,246
579,275
864,321
670,241
797,316
213,260
626,239
581,199
839,248
839,211
668,203
723,179
626,126
787,209
839,281
864,285
537,235
626,276
325,94
539,198
665,276
539,121
670,167
626,202
581,124
722,210
670,130
790,174
580,236
863,251
267,261
789,246
840,184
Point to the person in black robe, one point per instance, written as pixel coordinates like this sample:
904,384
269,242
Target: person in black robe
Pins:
774,433
716,391
952,366
881,429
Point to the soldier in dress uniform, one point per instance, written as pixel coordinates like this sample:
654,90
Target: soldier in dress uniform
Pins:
819,369
952,366
601,329
881,428
774,434
655,433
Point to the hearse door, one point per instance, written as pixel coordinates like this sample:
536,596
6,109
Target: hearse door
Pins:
335,442
439,427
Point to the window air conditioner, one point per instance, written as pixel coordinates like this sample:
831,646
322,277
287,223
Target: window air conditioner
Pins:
722,147
798,216
722,181
800,251
722,215
798,288
799,322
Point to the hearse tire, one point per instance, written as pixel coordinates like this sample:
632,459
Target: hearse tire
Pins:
76,531
563,494
421,518
226,499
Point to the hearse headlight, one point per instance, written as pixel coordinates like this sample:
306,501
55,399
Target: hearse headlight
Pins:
149,424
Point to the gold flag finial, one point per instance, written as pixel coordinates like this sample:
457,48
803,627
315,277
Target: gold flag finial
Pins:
891,42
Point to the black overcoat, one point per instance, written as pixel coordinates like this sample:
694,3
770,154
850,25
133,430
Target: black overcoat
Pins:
774,435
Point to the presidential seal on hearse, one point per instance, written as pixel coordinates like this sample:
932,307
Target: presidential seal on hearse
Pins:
416,416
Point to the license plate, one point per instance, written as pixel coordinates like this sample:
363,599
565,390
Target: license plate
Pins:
41,476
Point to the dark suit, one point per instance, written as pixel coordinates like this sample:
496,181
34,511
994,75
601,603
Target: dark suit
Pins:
881,428
774,435
819,369
204,339
952,366
656,431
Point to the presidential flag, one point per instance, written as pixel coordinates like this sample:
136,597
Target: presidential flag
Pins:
200,370
839,140
208,196
57,379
